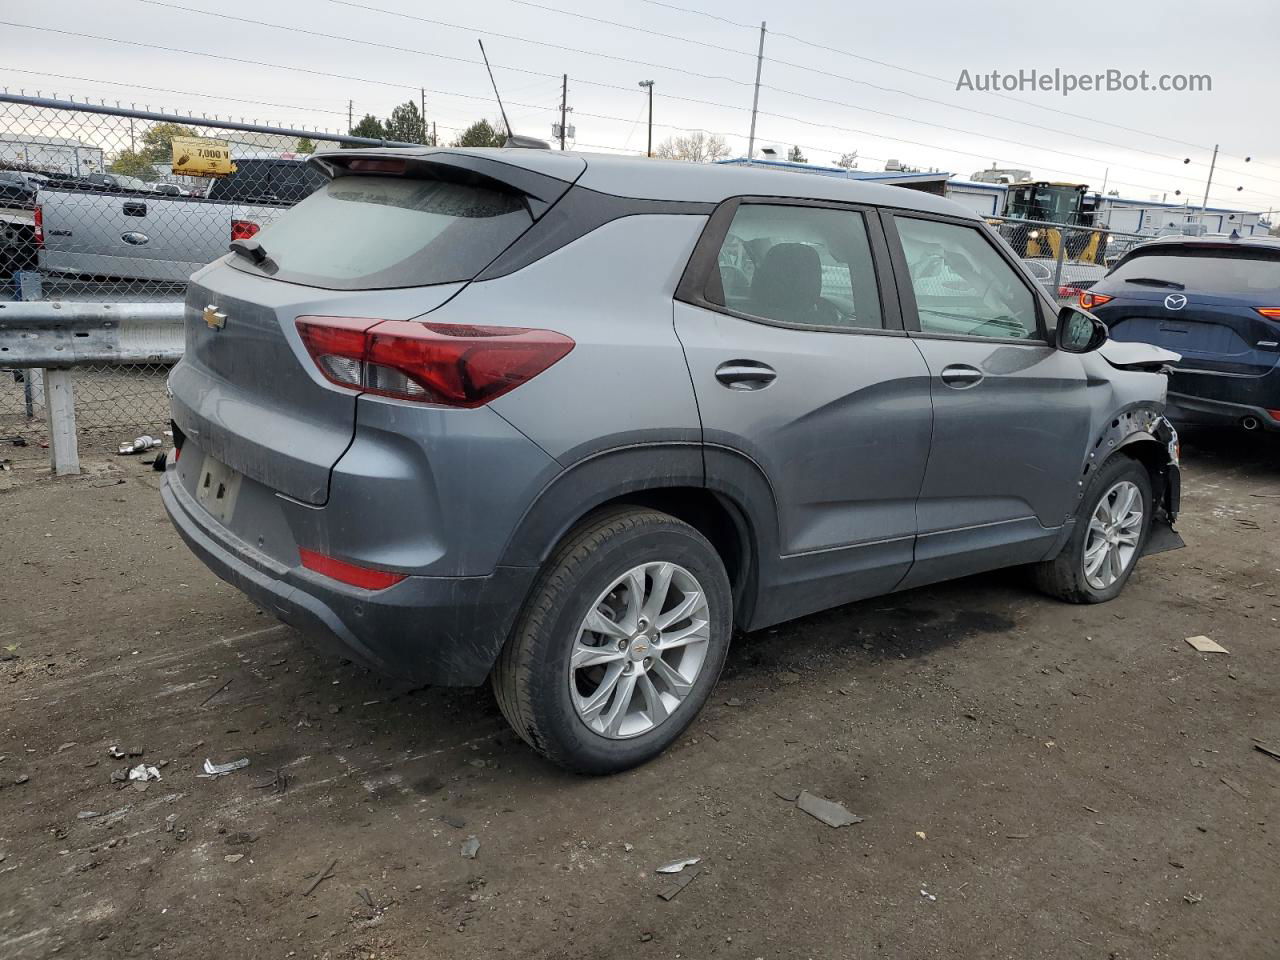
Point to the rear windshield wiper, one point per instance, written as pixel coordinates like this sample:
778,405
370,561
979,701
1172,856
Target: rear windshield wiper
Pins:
251,250
1156,282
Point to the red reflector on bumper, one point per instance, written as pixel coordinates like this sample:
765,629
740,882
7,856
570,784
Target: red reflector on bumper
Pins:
348,573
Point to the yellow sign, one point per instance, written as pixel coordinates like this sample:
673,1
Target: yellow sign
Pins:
201,157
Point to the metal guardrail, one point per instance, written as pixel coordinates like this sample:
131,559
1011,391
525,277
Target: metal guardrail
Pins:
49,340
43,334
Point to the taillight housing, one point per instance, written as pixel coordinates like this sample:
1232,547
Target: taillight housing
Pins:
1066,292
1271,313
456,365
37,224
1089,299
243,229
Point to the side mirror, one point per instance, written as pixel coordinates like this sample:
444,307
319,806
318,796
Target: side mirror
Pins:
1079,331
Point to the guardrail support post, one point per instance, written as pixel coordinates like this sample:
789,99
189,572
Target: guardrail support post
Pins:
60,409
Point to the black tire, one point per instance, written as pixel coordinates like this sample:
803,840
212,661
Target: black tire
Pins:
1063,576
530,679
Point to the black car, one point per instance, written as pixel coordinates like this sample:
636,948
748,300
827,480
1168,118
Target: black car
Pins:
1215,301
15,190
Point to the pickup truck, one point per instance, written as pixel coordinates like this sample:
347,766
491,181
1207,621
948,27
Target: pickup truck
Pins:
86,229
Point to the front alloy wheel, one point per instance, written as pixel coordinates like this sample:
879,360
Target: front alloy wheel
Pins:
1114,531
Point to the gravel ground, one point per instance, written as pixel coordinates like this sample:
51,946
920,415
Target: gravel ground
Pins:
1037,779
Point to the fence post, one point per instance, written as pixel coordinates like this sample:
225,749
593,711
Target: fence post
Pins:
60,409
1057,273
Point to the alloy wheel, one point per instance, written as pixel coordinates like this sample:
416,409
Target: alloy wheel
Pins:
1114,530
639,650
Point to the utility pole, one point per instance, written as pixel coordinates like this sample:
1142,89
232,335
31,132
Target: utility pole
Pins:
755,98
1208,183
422,93
351,123
434,141
649,84
564,97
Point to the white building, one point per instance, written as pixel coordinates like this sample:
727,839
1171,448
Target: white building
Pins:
51,154
1151,218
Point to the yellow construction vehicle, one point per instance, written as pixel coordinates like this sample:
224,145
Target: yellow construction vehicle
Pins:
1068,204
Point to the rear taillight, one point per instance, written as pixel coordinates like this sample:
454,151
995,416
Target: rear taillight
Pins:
452,364
243,229
1068,293
1089,300
37,224
365,577
1271,313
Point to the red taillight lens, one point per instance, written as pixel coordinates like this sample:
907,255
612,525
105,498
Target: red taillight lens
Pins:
1271,313
457,365
37,224
363,577
243,229
1090,300
1067,293
1274,415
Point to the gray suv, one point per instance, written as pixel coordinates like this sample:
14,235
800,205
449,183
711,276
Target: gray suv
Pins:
565,421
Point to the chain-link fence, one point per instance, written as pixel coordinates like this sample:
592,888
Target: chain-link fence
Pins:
105,205
1065,260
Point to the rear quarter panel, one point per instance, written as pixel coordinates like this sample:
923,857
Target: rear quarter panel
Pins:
626,381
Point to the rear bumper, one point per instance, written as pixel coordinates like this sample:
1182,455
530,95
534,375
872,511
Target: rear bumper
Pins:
445,631
1187,410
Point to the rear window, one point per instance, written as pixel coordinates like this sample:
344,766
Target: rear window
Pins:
370,232
1241,271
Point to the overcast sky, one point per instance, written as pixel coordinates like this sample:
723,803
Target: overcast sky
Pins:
829,101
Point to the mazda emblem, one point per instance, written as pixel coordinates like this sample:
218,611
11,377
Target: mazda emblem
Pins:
1175,301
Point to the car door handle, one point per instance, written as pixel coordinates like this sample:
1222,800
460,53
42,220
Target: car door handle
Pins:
961,376
745,374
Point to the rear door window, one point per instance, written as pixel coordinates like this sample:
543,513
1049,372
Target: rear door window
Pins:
1226,272
374,232
799,265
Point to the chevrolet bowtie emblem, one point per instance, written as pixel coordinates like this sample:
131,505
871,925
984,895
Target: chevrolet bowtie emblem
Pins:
214,318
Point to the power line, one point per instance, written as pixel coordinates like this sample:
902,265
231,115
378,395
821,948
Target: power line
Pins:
435,22
503,36
637,29
880,87
929,76
314,72
190,93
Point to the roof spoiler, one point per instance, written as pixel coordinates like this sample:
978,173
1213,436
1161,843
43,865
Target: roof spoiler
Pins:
518,141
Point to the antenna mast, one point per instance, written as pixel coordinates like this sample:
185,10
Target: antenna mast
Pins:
501,108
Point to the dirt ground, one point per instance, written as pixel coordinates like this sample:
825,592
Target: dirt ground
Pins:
1037,779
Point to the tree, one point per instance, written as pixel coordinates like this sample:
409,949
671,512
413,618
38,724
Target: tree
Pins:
848,160
305,145
697,147
133,163
795,156
157,140
482,133
406,124
369,126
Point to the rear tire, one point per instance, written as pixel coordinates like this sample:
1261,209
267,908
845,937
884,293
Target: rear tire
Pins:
625,590
1077,578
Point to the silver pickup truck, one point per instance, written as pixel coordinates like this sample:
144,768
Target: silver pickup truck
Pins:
89,230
